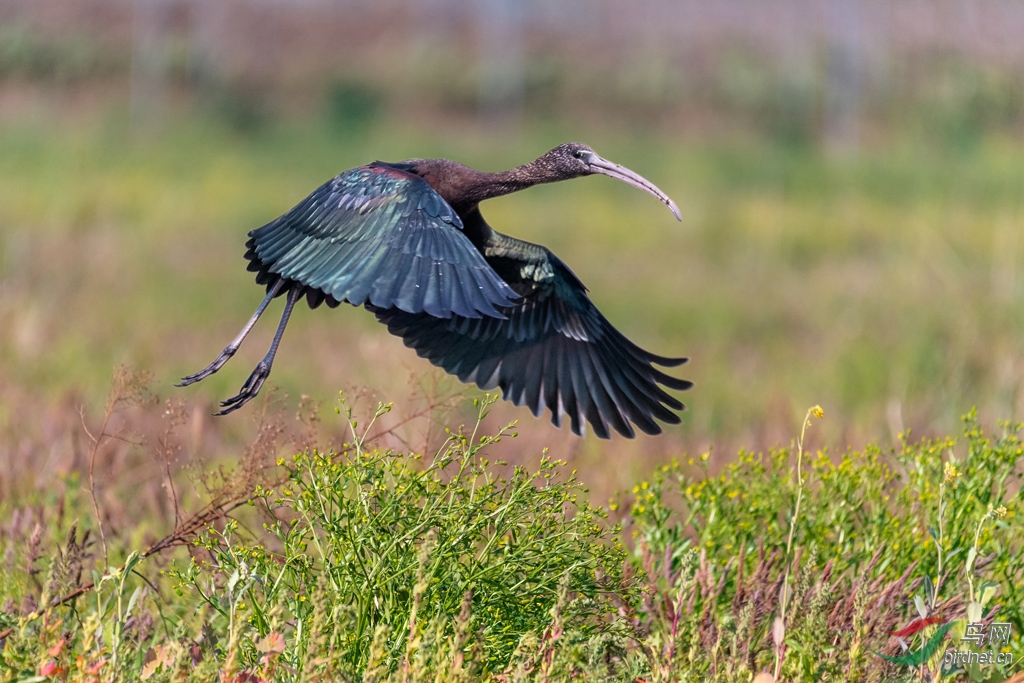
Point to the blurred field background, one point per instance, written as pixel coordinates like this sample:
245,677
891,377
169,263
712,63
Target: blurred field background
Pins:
850,176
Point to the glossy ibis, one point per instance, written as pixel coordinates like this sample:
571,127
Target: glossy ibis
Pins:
406,240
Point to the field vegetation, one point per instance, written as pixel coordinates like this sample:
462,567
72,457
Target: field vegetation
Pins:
371,564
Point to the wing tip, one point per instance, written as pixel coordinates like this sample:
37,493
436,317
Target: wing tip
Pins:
676,383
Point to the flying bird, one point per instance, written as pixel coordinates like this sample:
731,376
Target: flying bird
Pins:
407,241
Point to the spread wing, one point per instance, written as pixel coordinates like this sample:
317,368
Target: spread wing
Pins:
380,236
552,350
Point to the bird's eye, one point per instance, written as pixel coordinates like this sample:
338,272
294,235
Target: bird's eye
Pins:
579,154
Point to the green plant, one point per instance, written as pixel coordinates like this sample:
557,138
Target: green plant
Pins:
779,628
374,565
718,549
958,536
368,550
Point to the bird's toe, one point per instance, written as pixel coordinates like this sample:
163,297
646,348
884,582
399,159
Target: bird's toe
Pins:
190,379
249,390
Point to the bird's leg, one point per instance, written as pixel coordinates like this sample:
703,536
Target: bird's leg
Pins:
230,349
259,375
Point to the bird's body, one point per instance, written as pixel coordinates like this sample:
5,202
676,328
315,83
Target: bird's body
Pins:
408,242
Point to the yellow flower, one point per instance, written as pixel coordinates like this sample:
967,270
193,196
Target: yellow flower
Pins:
951,473
817,412
998,512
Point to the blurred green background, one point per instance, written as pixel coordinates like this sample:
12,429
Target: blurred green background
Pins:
850,176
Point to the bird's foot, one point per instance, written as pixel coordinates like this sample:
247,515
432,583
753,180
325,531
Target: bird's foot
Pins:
249,390
213,367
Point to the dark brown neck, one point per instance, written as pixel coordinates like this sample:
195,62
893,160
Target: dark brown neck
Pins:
478,186
464,187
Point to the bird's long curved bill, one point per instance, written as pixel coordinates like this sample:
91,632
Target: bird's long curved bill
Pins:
612,170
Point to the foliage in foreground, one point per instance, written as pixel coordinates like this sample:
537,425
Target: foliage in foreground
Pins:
930,532
374,546
374,565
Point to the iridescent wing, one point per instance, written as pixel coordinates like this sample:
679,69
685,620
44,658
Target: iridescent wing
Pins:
552,350
380,236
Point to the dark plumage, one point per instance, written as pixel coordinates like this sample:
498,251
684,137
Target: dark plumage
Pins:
407,241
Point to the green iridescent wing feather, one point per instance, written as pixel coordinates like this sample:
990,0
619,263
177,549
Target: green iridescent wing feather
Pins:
554,350
380,236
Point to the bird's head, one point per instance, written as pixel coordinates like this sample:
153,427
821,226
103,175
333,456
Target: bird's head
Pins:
574,159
